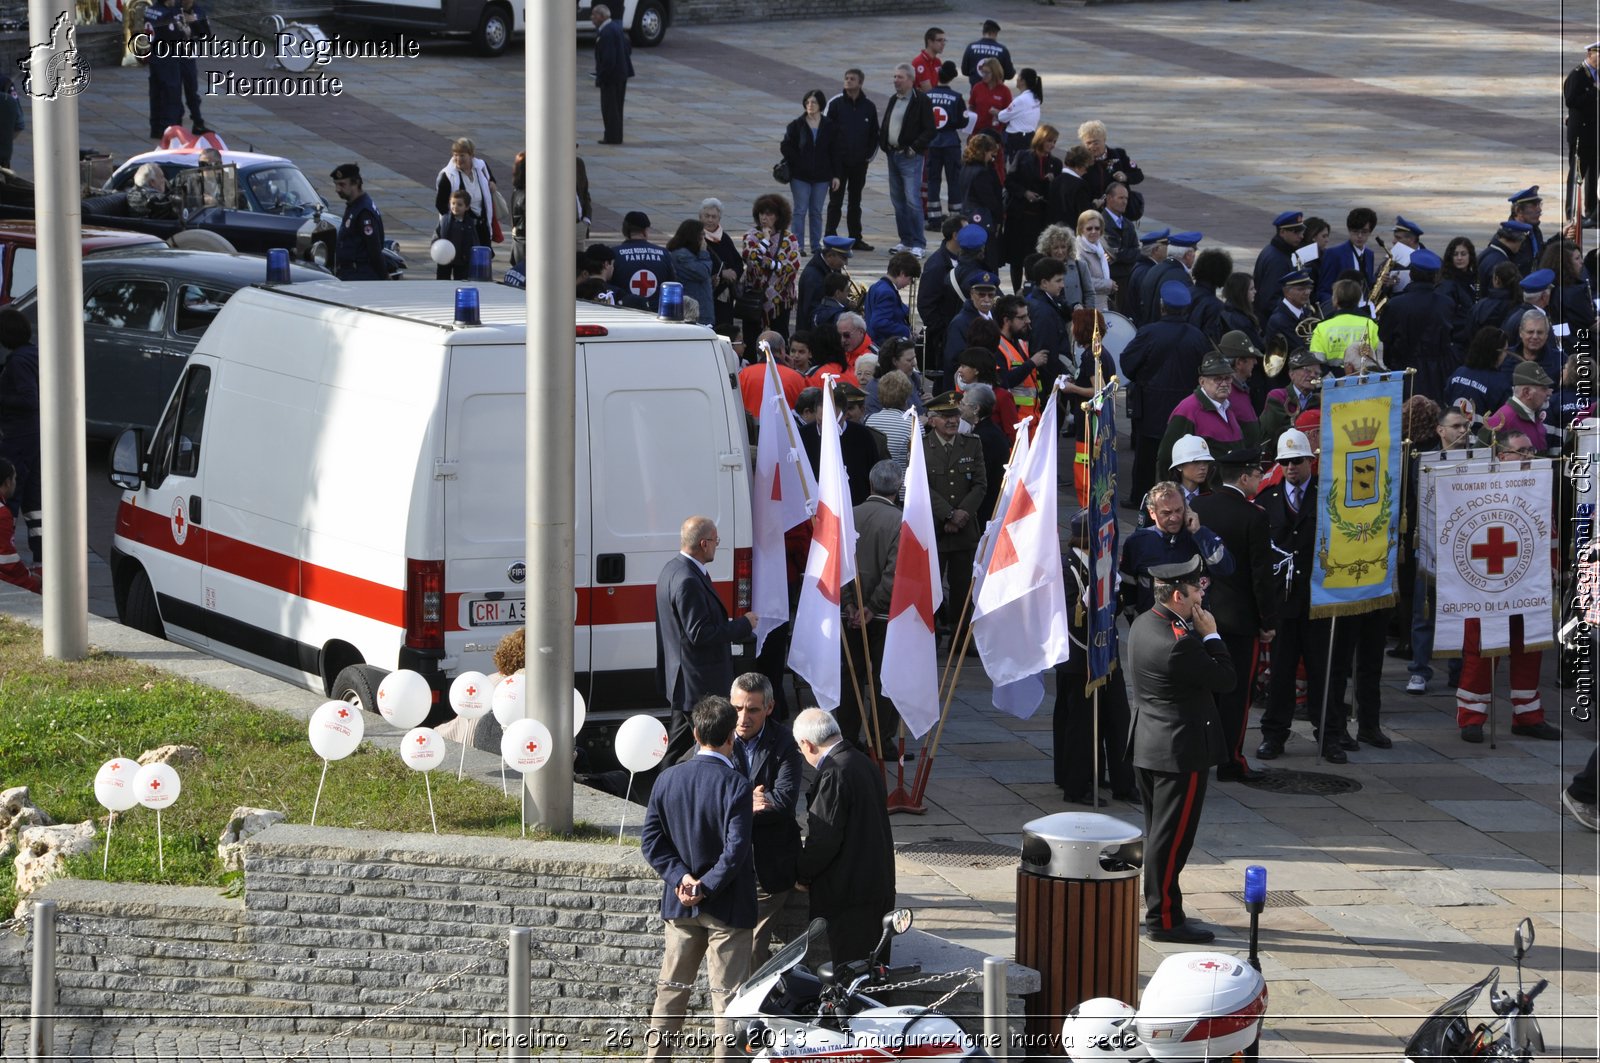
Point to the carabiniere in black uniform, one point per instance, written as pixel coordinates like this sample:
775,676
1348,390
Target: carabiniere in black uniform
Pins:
1176,739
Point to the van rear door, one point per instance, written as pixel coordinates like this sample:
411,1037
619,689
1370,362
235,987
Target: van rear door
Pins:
662,449
484,518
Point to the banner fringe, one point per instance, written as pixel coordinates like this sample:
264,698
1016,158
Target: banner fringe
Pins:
1366,605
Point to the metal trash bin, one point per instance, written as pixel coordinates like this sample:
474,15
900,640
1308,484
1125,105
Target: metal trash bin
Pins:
1078,909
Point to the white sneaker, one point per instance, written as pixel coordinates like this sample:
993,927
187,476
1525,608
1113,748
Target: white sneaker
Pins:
1416,685
918,251
897,248
1582,811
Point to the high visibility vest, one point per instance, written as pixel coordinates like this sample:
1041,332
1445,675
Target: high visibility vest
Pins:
1025,394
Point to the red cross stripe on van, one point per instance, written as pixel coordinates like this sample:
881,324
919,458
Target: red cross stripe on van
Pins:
1494,550
643,284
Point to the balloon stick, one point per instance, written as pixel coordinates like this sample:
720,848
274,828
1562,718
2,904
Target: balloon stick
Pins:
524,816
318,799
161,848
503,791
463,765
625,795
429,787
111,821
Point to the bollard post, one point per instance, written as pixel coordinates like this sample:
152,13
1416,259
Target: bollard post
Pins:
519,994
995,1030
42,1022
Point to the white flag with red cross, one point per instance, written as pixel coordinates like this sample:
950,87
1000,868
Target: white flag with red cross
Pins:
1019,609
831,564
782,496
910,647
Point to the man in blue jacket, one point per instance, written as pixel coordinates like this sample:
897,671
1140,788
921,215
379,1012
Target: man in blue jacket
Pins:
856,118
613,66
697,838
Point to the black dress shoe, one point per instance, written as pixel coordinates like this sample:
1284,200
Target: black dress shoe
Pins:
1536,730
1132,797
1270,749
1184,933
1472,732
862,245
1334,755
1346,742
1374,737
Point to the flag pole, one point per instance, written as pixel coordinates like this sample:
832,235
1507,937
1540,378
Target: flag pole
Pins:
873,734
900,799
1088,445
1327,680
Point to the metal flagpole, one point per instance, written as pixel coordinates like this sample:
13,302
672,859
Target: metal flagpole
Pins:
1327,678
1088,451
550,479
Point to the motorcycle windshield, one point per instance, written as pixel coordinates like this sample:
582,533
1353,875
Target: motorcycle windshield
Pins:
1433,1039
791,954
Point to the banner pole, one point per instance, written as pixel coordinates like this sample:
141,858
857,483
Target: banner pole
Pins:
920,785
1327,681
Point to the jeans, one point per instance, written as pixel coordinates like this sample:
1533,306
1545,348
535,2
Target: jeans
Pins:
809,199
944,163
1422,635
905,192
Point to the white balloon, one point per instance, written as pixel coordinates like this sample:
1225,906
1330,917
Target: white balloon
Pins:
336,729
157,785
469,695
113,784
580,711
641,742
422,749
443,252
404,698
507,700
525,746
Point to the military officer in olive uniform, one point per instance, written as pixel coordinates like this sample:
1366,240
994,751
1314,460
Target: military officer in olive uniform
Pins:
1177,664
360,252
957,483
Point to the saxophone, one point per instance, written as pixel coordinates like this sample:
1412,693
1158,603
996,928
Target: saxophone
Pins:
1383,275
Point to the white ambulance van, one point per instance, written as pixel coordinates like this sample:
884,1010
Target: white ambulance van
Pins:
335,489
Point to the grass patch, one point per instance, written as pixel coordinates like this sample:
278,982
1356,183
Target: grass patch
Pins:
60,720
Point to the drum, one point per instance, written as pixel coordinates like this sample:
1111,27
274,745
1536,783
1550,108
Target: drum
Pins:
1118,334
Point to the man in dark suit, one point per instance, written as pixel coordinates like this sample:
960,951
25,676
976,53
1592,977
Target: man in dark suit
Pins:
1351,254
613,66
1245,600
1292,515
694,636
765,751
1177,663
696,836
848,860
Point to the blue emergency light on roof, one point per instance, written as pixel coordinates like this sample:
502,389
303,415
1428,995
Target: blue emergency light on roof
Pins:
278,266
467,306
671,307
1255,884
478,265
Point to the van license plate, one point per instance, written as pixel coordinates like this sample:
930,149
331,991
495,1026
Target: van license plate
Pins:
487,612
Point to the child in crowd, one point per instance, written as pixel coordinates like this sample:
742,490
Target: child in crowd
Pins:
460,227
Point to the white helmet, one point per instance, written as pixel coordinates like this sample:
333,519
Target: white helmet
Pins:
1190,448
1101,1029
1294,444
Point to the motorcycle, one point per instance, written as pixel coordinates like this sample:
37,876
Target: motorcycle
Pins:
1513,1034
785,1009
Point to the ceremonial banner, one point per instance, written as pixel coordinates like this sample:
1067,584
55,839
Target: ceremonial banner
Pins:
910,648
782,495
830,566
1358,519
1430,463
1491,541
1102,538
1023,697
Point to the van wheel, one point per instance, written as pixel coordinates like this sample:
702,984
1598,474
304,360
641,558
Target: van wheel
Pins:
649,24
358,684
494,31
139,610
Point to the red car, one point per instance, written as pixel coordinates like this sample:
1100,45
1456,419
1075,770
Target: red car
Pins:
19,259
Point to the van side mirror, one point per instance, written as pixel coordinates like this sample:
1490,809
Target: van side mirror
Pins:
128,459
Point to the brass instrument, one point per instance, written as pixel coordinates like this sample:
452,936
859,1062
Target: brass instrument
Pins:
1383,275
856,294
1277,355
1308,324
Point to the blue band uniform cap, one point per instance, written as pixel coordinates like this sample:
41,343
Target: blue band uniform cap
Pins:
972,237
1521,228
1156,237
839,245
1538,280
1188,571
1529,193
1296,277
1425,259
984,279
1190,239
1289,218
1175,294
1402,225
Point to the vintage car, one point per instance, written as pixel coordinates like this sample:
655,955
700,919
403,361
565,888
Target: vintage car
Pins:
19,258
144,309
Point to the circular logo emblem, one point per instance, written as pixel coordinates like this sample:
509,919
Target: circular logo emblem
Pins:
180,521
1491,552
516,572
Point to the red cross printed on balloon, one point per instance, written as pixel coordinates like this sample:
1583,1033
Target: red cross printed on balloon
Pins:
116,765
1210,965
1494,550
472,691
344,713
643,283
382,693
155,784
422,740
533,747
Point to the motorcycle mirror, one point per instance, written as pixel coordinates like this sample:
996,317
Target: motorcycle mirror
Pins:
1522,940
898,921
825,973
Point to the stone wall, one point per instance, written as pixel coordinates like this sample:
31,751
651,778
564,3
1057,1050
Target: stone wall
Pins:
407,930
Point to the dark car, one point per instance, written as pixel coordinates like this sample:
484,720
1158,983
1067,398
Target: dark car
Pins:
143,312
19,256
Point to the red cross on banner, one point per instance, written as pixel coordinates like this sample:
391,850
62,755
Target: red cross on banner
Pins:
826,533
1005,551
1494,550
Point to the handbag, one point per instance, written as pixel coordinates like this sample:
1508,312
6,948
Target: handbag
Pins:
780,171
751,304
